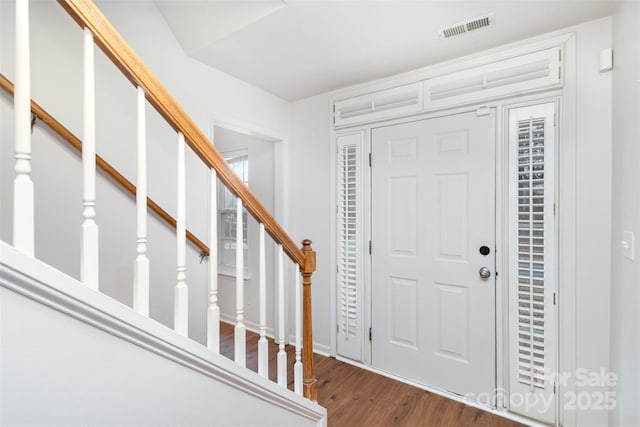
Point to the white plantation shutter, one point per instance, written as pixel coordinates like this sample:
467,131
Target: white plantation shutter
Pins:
530,291
384,104
349,241
521,74
532,280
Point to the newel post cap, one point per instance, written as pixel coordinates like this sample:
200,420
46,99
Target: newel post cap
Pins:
309,258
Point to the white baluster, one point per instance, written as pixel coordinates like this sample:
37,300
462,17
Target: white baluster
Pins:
89,246
23,204
213,312
240,331
141,265
181,311
263,344
297,367
282,355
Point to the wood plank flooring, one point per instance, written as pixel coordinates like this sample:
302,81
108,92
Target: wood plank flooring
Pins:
356,397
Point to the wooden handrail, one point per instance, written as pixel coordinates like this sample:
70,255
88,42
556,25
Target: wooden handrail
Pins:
87,15
65,134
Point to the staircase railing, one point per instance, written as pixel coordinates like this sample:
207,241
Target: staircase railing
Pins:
98,31
43,115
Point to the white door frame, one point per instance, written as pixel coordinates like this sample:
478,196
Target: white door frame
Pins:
281,159
280,193
565,133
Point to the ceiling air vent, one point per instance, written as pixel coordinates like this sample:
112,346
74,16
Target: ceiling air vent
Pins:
472,24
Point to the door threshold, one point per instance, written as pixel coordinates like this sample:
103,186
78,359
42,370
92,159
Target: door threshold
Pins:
447,394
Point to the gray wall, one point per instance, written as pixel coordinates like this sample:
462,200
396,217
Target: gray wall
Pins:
625,280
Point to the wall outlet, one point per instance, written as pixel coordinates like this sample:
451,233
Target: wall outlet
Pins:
628,245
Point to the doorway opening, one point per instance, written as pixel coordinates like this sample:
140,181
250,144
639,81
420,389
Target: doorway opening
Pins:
258,156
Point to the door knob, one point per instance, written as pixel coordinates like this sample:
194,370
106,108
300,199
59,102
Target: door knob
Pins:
485,273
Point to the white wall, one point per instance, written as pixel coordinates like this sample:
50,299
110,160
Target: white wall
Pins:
312,207
625,289
56,46
593,211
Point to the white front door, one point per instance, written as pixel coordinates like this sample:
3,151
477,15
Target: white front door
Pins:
433,230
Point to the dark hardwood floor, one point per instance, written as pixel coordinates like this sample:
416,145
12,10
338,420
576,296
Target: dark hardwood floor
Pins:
356,397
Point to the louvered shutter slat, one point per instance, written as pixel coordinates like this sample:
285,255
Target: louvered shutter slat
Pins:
532,259
524,73
349,236
530,299
381,105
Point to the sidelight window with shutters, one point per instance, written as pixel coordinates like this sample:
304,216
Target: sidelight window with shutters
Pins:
349,205
532,269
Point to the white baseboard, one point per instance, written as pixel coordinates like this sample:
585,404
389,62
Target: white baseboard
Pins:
251,326
322,349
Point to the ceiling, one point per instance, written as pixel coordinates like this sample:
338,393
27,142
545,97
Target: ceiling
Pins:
300,48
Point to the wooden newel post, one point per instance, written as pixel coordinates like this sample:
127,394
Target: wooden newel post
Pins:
310,384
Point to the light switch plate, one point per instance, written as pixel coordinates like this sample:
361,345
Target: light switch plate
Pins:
628,245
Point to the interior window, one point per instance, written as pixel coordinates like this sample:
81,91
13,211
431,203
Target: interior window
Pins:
227,218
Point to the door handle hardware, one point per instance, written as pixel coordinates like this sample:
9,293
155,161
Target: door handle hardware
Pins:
485,273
